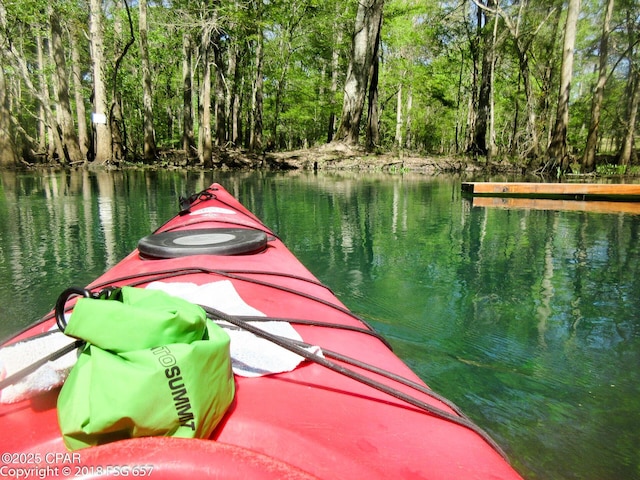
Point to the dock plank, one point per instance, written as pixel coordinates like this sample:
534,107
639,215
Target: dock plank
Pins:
585,191
592,206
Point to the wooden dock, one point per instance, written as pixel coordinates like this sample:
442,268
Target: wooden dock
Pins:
564,191
592,206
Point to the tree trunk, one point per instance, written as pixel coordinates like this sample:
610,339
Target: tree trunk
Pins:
472,112
522,44
219,94
232,98
81,113
335,62
116,116
547,80
373,115
20,66
255,137
492,121
459,95
205,147
56,148
409,134
366,34
557,151
8,153
149,142
235,99
627,153
70,145
589,157
44,92
399,121
532,130
479,145
285,55
100,120
118,131
188,141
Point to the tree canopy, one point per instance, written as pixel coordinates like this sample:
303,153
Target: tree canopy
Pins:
103,81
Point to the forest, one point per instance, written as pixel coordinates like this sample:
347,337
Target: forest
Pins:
551,84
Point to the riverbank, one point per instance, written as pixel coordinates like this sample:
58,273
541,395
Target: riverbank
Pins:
335,156
341,157
329,157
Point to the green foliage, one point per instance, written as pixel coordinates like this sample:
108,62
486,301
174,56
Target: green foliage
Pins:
610,170
427,52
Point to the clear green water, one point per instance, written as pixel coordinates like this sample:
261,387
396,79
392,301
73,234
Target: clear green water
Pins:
528,320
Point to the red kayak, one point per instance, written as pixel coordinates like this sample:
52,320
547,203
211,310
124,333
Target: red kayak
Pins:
348,407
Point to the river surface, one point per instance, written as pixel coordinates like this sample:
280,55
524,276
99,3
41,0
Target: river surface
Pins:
527,319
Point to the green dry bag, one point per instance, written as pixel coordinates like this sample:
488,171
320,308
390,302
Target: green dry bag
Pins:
153,364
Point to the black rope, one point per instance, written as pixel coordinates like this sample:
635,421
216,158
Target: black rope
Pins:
392,376
317,323
301,351
353,361
195,270
190,223
148,277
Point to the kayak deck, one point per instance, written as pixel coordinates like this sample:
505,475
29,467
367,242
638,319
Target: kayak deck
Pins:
312,422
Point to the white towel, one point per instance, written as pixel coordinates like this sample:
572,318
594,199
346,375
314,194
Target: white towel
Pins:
50,375
251,356
220,295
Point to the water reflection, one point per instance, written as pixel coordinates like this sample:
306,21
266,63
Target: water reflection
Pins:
105,216
65,228
526,318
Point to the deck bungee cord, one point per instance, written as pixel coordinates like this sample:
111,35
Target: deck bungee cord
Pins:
191,223
148,277
154,276
318,323
299,349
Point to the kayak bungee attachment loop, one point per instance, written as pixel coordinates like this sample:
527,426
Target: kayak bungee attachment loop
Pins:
187,202
104,294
